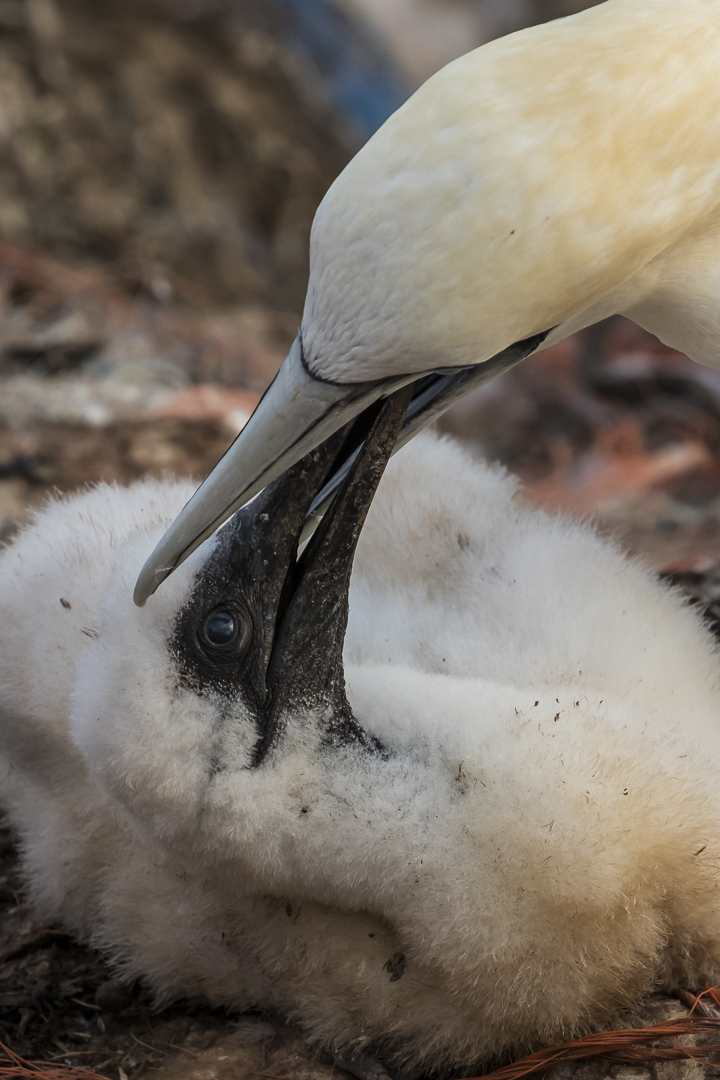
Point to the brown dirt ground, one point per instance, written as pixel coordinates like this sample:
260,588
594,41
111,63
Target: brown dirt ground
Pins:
50,458
176,143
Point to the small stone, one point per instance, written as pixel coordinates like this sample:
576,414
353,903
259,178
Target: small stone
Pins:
682,1070
113,996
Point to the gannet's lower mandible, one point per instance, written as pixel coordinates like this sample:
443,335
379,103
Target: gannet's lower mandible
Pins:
534,186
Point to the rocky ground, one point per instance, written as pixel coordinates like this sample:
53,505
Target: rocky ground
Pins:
178,144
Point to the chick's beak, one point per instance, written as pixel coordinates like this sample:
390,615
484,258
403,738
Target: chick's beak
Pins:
296,414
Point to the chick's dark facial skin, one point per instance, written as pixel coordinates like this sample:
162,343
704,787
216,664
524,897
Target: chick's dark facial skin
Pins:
267,628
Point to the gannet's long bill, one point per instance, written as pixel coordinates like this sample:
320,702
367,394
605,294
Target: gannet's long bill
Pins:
542,182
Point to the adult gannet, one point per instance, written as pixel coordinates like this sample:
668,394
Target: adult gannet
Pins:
542,182
504,830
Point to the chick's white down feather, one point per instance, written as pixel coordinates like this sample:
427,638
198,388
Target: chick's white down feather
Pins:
538,847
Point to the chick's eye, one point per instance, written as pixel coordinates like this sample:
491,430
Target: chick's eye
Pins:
220,628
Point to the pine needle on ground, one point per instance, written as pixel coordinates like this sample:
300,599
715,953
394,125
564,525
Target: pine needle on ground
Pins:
629,1047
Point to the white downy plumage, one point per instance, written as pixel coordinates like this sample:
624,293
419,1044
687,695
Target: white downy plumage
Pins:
537,846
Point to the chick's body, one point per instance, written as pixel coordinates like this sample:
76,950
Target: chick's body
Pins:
536,846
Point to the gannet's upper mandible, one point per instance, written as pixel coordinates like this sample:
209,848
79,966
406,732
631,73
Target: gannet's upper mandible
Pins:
542,182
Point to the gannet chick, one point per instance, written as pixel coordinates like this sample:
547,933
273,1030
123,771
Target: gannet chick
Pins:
507,830
536,185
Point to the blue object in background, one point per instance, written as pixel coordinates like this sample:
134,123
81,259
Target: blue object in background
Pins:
361,80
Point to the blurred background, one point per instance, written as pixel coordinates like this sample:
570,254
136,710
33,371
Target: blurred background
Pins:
160,165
